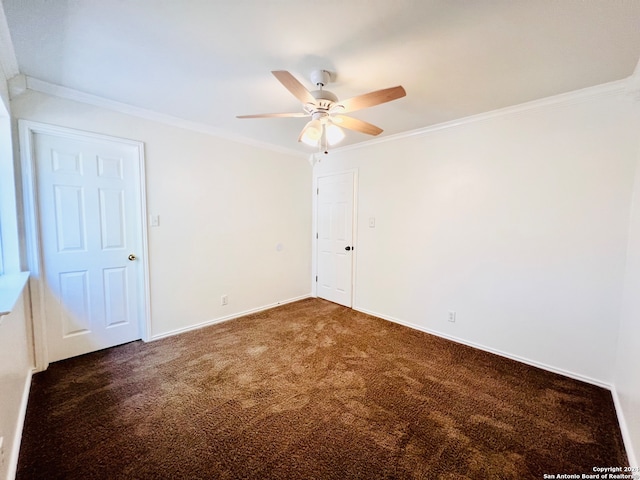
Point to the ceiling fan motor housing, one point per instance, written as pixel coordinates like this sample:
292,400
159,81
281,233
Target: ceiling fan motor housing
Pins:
324,99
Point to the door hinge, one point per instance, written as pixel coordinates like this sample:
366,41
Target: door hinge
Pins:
317,235
316,278
318,191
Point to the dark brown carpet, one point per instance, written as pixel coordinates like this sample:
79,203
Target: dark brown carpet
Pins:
311,390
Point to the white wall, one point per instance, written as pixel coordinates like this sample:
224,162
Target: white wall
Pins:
9,258
16,359
627,371
15,377
518,222
223,207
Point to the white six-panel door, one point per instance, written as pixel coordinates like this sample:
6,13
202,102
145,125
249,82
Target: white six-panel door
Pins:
91,241
335,238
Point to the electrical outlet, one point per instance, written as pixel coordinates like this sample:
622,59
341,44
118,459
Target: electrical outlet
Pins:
452,316
224,300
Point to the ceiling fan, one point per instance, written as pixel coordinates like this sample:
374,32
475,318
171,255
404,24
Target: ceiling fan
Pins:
326,110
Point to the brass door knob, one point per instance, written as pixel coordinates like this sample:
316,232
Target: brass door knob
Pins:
132,257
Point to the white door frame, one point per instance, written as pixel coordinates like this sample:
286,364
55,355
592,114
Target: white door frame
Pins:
27,129
314,239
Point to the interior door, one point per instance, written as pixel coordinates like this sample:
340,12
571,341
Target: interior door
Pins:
90,225
335,238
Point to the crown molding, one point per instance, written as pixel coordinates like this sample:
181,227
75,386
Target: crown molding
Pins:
59,91
630,85
577,96
313,159
8,60
17,85
633,87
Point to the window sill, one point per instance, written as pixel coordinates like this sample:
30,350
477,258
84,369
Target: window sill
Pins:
11,287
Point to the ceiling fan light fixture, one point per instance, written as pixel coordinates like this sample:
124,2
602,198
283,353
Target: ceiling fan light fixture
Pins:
306,140
321,134
334,134
312,133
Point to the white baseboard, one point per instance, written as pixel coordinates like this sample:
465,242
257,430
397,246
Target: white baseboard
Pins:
17,439
228,317
626,435
533,363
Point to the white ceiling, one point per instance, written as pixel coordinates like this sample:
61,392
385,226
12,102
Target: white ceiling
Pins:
207,61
